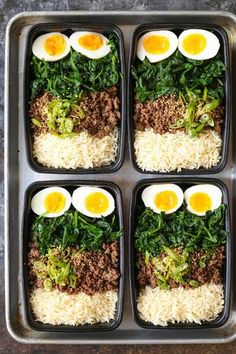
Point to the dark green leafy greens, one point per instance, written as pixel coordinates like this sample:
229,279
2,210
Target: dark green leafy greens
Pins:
73,228
71,76
154,231
179,75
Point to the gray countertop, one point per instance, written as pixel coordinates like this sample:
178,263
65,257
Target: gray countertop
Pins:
8,9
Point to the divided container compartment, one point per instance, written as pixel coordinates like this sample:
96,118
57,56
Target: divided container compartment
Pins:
184,183
27,222
68,28
133,60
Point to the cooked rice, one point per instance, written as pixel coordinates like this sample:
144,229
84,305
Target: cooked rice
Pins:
181,305
81,150
168,152
54,307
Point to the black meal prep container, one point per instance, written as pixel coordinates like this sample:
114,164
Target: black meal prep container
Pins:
27,222
184,183
68,28
133,60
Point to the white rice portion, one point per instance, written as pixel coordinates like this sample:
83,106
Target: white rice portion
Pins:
54,307
161,307
168,152
82,150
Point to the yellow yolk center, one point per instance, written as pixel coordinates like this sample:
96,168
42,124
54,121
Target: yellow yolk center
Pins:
194,43
155,44
55,45
91,41
166,200
54,202
200,202
96,203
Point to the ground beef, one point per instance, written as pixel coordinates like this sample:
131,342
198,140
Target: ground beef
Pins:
213,269
159,114
102,113
95,271
211,272
36,111
146,274
218,116
162,113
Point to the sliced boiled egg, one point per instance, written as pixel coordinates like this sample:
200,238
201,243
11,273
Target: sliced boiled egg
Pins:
157,45
202,198
91,44
51,202
163,197
198,44
93,201
51,46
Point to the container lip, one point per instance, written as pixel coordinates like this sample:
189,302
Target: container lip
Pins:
139,30
224,316
103,27
27,312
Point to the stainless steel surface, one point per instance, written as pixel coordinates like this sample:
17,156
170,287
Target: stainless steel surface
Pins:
18,175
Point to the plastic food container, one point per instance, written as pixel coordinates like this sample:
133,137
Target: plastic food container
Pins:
68,28
177,28
27,222
184,183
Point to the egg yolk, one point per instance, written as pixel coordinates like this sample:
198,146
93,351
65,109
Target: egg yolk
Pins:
166,200
91,41
96,203
55,45
194,43
54,202
200,202
155,44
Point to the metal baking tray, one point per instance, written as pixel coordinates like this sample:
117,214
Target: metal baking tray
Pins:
19,175
177,28
27,223
184,183
68,28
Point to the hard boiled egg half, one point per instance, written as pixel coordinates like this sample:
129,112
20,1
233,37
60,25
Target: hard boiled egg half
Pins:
91,44
163,197
202,198
51,46
51,202
93,201
157,45
198,44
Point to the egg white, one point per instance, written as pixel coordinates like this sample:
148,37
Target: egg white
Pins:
211,190
80,194
38,201
212,47
153,58
92,54
39,51
148,196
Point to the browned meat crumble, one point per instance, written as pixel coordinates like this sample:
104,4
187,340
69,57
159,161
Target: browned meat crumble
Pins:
95,271
100,113
211,272
161,114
